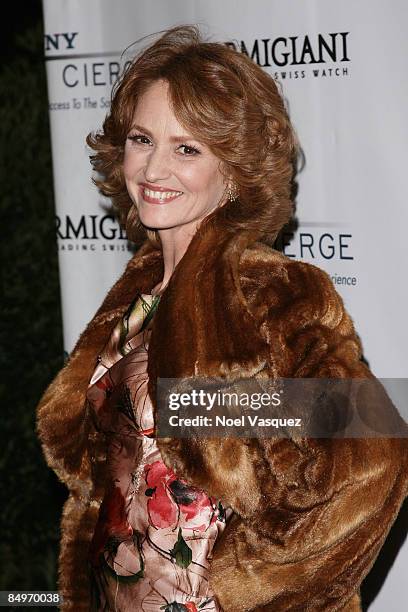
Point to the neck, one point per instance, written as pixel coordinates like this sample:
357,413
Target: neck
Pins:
175,242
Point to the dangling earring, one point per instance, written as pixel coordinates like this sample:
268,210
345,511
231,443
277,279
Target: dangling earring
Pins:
232,192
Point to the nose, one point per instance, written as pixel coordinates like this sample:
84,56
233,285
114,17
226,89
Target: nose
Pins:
157,165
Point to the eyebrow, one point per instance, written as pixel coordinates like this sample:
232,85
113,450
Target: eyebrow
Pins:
172,138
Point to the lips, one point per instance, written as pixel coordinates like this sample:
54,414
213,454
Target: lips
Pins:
158,195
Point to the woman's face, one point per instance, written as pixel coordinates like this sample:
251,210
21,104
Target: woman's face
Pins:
172,179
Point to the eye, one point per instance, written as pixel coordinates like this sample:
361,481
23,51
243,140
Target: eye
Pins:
139,138
189,151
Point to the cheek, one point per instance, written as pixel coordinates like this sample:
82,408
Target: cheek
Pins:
131,164
202,178
126,167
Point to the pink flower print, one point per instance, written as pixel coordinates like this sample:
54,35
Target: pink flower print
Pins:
171,499
160,507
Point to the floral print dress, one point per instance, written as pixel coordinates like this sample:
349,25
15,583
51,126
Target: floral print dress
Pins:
153,541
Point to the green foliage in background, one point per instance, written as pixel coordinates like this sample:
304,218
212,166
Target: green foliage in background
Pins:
31,341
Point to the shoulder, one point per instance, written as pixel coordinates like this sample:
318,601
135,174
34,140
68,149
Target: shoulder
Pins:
273,282
301,314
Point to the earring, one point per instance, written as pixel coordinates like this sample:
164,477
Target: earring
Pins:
232,192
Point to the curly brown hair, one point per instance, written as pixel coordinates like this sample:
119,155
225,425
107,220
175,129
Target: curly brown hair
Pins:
226,102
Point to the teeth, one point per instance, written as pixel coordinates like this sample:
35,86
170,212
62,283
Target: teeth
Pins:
161,195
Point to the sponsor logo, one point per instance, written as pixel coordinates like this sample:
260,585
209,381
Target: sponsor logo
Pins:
315,244
321,245
94,74
60,41
91,233
321,51
84,69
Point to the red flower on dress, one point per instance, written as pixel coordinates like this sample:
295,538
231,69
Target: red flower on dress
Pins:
104,384
172,499
112,522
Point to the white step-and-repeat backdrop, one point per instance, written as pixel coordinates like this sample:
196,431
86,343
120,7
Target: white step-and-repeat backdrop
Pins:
342,67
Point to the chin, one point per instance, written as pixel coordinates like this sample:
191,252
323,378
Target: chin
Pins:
151,218
157,220
152,222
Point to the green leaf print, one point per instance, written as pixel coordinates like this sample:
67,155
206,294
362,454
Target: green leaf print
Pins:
221,512
181,552
149,309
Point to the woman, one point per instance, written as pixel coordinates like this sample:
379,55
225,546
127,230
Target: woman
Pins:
198,155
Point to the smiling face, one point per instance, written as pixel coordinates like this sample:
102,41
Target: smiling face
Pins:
173,180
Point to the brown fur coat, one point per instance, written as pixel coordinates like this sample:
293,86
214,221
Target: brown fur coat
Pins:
311,515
